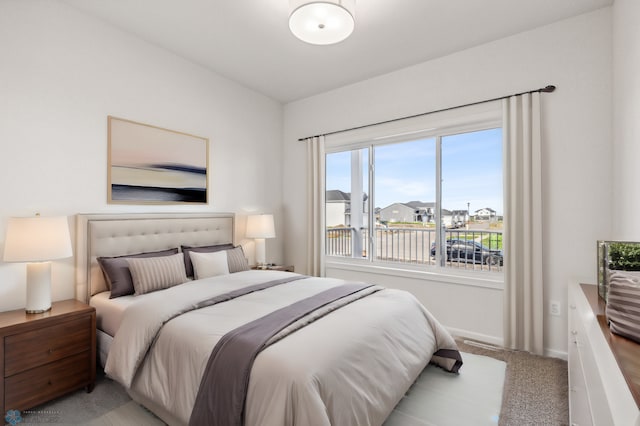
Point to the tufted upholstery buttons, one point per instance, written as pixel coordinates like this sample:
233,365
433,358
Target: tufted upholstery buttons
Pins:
120,234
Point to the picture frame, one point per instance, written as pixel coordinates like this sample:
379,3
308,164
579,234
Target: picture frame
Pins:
153,165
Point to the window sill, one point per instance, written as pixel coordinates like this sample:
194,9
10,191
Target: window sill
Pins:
493,280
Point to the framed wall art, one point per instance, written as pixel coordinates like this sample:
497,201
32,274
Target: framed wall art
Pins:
152,165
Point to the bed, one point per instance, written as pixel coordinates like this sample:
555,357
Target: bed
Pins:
312,351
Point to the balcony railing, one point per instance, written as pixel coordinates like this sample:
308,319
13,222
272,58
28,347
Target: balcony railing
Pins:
466,249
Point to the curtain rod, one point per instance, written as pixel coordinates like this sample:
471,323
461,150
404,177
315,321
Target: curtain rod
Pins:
547,89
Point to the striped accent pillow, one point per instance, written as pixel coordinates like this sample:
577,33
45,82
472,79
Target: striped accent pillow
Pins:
116,271
236,260
623,304
156,273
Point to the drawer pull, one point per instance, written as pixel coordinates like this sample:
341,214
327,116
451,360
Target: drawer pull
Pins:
49,383
574,332
50,351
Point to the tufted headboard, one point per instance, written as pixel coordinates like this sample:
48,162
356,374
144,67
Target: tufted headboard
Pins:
120,234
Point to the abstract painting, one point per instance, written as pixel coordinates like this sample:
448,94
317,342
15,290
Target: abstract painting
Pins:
152,165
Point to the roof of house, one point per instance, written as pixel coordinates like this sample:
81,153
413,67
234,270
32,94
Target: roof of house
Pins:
337,195
419,204
416,206
487,209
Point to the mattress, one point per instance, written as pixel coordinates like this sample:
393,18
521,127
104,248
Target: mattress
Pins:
109,312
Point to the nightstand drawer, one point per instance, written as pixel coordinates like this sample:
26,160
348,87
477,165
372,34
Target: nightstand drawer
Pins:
46,355
38,347
49,381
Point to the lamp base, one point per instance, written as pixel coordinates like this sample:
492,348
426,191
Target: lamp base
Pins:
38,287
260,252
37,311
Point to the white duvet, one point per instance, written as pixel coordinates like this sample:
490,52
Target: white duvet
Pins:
350,367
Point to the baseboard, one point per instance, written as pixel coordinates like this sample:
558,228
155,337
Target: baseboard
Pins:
499,342
466,334
552,353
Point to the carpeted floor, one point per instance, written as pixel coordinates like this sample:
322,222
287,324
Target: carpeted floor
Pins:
80,407
535,393
536,390
130,413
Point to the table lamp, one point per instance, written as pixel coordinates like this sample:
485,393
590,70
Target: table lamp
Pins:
37,240
259,227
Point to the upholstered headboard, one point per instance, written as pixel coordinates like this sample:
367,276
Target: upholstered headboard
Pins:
120,234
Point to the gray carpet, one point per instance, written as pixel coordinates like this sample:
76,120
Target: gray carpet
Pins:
130,413
80,407
535,393
536,390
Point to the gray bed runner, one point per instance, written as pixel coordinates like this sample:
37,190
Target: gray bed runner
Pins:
246,290
223,388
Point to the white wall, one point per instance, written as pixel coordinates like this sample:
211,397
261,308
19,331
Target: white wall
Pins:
626,120
574,55
62,73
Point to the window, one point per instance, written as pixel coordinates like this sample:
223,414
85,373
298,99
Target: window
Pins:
434,197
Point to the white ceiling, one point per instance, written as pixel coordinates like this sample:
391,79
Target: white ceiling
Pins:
248,41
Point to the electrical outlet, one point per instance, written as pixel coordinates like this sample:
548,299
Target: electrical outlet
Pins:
554,308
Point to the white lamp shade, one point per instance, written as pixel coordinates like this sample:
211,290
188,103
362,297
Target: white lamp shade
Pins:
322,22
260,226
37,239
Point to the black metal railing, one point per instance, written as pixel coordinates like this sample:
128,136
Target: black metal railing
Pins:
465,249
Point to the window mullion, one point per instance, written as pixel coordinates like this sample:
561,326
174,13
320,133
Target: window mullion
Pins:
357,200
440,234
371,246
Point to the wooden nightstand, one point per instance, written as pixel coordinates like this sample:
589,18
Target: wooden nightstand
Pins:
44,356
287,268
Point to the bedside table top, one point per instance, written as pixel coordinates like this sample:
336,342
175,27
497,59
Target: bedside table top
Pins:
58,309
288,268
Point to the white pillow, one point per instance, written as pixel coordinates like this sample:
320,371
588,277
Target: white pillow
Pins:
209,264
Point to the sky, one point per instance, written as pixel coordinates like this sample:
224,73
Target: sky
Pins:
471,171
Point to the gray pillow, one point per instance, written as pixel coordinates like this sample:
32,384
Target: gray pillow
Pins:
236,260
116,271
156,273
188,266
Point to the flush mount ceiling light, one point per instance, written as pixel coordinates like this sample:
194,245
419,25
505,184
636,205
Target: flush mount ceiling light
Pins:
322,22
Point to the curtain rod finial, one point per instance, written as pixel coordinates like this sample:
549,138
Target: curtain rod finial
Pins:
548,89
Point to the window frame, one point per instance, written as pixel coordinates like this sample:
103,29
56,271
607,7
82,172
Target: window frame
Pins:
436,126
